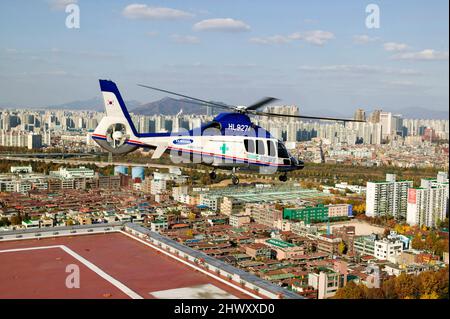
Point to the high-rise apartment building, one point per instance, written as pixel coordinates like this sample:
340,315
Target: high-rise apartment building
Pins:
428,204
387,198
360,115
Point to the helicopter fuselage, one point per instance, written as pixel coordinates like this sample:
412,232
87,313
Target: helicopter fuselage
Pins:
230,141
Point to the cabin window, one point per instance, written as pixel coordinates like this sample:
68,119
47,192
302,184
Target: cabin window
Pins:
260,147
249,146
282,151
271,148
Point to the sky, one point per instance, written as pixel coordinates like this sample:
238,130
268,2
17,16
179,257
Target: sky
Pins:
318,55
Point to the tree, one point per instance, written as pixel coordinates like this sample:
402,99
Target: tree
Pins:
417,242
432,295
429,284
406,286
350,291
4,222
189,233
388,289
16,220
342,248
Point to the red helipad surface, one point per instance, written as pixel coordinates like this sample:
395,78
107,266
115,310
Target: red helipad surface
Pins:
41,273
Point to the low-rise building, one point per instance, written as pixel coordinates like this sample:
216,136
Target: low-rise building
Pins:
328,244
30,224
258,250
326,282
265,214
365,245
231,206
284,250
159,225
387,249
239,220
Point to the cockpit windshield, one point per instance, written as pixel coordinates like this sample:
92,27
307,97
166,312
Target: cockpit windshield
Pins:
282,151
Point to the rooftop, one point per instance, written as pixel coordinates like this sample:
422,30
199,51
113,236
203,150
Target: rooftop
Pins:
124,259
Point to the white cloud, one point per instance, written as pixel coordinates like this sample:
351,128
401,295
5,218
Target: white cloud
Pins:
364,39
425,55
11,51
143,11
401,83
276,39
185,39
316,37
60,4
395,47
357,69
223,25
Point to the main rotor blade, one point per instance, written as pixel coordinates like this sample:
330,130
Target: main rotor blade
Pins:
305,117
213,104
261,103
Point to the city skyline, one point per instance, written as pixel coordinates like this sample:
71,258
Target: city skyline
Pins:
312,59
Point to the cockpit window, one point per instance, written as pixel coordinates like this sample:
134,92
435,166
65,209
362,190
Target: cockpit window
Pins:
282,151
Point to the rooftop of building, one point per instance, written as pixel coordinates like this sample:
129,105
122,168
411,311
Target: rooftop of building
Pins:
279,243
108,252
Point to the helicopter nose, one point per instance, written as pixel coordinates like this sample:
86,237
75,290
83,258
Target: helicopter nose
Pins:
297,163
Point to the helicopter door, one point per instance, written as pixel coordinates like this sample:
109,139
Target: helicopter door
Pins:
250,148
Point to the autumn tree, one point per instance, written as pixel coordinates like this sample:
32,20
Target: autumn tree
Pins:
342,248
350,291
406,286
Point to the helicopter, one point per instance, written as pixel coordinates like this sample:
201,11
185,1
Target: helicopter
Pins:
231,141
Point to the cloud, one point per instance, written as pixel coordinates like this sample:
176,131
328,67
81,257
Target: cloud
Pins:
316,37
395,47
357,69
143,11
11,51
364,39
425,55
60,4
185,39
402,83
276,39
222,25
84,54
